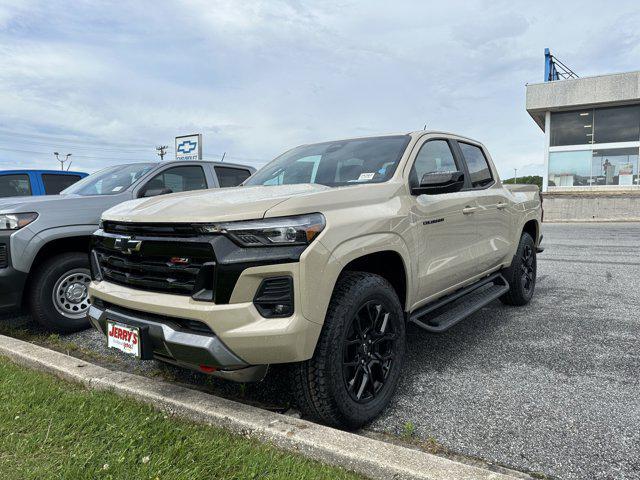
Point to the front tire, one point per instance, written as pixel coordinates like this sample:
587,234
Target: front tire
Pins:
358,359
58,293
521,275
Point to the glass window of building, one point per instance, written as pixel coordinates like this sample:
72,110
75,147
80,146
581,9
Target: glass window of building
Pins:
617,124
615,167
570,169
571,128
584,168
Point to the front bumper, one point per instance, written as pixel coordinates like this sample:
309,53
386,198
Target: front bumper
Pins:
238,326
169,341
12,281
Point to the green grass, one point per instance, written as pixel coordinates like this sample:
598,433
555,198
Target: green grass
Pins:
50,428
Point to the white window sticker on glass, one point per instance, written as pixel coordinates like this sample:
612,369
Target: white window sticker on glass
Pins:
365,177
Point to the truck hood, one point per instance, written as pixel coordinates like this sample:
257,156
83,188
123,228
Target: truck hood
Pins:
223,204
60,210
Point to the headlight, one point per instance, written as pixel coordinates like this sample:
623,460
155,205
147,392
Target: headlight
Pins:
298,230
15,221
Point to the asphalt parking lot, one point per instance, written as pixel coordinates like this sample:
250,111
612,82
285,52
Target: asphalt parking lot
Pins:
551,387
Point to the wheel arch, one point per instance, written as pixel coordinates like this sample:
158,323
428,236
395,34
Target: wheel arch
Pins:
532,227
55,246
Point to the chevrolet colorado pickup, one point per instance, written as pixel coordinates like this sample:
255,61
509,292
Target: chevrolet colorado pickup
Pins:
319,261
44,240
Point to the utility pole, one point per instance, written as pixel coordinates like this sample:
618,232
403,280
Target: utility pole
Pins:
515,175
62,161
162,151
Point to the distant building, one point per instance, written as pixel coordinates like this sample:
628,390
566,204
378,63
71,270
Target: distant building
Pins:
592,142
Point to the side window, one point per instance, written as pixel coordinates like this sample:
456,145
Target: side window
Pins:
477,164
231,177
435,156
179,179
54,184
15,185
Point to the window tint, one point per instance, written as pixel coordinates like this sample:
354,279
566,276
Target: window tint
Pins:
54,184
179,179
434,156
572,128
14,185
231,177
477,164
617,124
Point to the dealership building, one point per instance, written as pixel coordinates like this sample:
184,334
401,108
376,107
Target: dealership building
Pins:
591,128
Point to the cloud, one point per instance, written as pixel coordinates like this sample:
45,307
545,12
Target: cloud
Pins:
109,81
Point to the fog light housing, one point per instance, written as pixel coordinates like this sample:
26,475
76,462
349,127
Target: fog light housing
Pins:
274,298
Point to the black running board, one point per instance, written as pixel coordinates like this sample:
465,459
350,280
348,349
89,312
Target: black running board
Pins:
446,312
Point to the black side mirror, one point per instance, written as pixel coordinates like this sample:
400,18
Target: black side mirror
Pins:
153,192
439,182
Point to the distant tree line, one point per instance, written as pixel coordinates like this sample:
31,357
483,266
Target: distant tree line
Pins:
531,179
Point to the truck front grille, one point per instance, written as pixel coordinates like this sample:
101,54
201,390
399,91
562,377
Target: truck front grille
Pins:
182,268
151,229
4,257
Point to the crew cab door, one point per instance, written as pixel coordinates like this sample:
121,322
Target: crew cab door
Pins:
443,231
492,217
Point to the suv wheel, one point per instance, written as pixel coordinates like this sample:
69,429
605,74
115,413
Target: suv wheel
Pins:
58,296
521,275
359,356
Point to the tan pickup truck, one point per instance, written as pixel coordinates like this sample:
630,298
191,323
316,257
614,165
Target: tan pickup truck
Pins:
319,261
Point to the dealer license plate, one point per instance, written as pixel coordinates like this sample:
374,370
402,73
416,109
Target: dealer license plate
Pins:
123,338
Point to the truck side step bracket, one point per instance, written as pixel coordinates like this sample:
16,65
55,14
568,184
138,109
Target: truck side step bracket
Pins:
446,312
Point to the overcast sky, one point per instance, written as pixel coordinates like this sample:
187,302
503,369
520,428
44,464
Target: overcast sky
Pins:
108,81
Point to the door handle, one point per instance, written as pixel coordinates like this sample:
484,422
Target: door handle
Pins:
467,210
502,206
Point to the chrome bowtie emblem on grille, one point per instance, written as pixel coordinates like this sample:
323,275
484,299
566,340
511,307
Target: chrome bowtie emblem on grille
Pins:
127,245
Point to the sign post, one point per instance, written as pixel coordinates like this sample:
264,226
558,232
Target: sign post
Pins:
189,147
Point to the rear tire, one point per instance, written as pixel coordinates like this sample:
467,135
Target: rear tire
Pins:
521,275
358,359
58,293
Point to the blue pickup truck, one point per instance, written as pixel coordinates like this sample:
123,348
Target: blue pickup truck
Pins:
21,183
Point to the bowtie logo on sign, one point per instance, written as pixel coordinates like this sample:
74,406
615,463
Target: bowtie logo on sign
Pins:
189,147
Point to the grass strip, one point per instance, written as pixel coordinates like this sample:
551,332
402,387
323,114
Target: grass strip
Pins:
50,428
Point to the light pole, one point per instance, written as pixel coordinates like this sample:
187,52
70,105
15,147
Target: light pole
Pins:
63,161
515,175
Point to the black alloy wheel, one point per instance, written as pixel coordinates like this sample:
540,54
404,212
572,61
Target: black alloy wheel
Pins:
368,352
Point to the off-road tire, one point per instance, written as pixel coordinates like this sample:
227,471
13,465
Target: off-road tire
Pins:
523,267
40,292
319,385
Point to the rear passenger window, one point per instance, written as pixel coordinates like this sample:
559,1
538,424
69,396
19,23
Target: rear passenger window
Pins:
434,157
15,185
54,184
477,164
231,177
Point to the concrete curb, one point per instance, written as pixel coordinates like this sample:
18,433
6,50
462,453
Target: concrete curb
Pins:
372,458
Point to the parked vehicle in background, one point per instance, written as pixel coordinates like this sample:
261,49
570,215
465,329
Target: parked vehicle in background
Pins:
24,183
44,240
318,261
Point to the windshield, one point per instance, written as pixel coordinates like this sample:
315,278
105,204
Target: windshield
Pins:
346,162
109,181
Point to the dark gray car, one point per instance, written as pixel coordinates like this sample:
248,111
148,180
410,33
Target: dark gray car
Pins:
44,240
